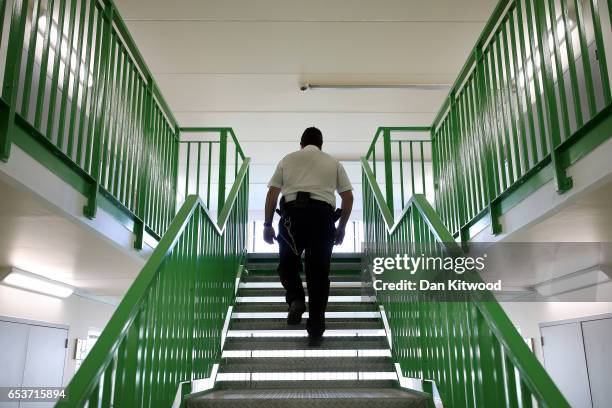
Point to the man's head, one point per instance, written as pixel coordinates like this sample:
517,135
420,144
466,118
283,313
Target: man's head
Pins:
312,136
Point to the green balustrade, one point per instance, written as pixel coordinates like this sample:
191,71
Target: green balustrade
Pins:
211,156
78,96
534,87
403,158
469,347
167,329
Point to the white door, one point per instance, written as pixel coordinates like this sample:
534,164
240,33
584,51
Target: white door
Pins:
44,366
565,362
597,344
13,349
31,356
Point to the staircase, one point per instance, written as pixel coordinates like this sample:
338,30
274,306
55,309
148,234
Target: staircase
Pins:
267,363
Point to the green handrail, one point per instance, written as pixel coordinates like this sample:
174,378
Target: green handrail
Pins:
470,349
167,329
76,88
516,111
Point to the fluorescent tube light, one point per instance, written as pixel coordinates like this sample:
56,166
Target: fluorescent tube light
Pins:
577,280
358,87
25,280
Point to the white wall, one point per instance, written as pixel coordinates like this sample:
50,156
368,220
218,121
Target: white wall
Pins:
78,313
528,315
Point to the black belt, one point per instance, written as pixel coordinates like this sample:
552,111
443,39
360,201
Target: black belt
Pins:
311,203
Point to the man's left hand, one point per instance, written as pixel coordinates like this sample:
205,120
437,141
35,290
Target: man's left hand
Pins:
339,236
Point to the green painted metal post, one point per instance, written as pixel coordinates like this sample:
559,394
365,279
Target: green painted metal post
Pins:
489,163
388,168
222,169
11,76
143,178
102,96
455,146
563,181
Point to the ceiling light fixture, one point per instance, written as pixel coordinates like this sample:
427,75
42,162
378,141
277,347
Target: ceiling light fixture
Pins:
359,87
25,280
581,279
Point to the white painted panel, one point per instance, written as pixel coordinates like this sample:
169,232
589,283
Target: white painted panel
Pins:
597,340
45,360
304,47
565,362
322,10
13,349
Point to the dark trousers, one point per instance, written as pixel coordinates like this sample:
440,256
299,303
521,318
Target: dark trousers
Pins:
308,230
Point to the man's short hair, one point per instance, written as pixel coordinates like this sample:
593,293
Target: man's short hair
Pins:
312,136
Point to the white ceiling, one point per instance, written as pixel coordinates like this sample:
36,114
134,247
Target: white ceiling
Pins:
37,239
240,63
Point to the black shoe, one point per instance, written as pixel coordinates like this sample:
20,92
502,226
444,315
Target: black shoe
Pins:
297,308
315,341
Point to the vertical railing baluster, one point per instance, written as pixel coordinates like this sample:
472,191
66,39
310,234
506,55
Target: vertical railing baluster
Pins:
29,70
412,186
222,169
558,79
518,94
82,130
571,62
601,52
401,171
210,145
421,143
188,165
526,84
11,75
198,169
562,181
76,88
44,62
66,81
388,168
101,103
586,60
533,52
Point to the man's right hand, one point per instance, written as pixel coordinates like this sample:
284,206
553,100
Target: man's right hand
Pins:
269,234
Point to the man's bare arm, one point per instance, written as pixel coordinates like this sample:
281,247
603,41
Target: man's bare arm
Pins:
346,206
271,201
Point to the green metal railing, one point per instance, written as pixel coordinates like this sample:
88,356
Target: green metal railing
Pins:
76,86
516,114
401,158
469,348
210,159
167,329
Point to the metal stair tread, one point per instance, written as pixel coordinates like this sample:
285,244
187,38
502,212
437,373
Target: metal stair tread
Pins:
292,397
305,364
281,324
333,291
272,276
282,307
319,384
298,343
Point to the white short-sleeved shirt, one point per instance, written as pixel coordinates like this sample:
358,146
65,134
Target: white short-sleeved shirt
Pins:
313,171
